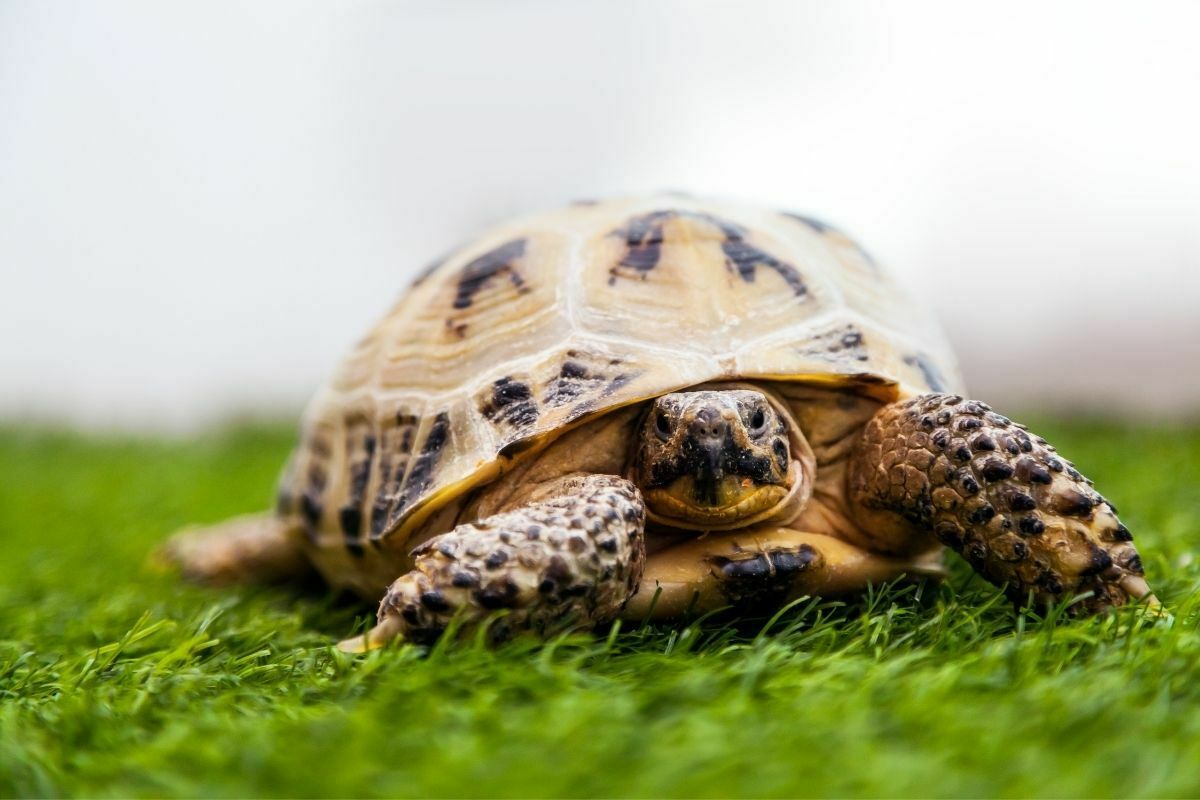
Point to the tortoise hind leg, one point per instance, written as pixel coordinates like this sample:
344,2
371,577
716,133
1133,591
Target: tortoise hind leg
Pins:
570,561
1023,517
254,548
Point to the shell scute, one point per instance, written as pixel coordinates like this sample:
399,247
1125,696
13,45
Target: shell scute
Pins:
548,321
396,443
476,274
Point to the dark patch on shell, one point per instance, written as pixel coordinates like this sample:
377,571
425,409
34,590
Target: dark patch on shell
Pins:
584,379
395,453
312,498
511,403
311,510
360,450
744,259
420,477
575,378
477,273
643,236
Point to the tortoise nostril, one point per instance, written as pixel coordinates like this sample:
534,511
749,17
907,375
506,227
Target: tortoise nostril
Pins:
708,425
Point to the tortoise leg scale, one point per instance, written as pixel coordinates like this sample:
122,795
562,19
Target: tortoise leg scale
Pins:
567,562
1021,515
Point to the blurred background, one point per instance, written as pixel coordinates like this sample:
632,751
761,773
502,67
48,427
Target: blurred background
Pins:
203,205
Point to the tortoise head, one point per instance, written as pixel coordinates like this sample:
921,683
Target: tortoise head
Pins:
713,459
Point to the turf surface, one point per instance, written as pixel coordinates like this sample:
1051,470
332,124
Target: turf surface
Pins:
117,681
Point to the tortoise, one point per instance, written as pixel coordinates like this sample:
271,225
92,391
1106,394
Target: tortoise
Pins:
653,407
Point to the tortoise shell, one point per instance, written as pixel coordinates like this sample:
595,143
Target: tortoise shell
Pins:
544,322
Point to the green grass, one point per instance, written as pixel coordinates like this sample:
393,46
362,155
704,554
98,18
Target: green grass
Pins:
117,681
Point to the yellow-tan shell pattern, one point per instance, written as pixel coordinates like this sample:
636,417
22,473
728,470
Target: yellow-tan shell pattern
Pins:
546,321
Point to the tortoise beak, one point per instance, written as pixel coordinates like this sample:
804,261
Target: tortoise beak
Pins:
708,434
708,473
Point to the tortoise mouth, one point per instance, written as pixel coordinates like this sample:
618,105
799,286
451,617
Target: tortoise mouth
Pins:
726,501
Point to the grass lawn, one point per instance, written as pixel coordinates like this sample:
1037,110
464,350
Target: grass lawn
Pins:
117,681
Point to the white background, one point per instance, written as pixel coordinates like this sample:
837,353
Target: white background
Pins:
202,205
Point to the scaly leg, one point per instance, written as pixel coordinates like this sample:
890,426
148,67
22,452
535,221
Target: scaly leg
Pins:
255,548
761,569
1022,516
567,562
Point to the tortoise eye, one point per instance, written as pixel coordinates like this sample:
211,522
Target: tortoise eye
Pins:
662,425
758,422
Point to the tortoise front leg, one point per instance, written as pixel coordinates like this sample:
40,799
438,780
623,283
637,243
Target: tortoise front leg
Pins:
1022,516
567,562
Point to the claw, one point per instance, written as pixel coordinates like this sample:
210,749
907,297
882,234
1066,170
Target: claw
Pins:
1139,590
1136,587
390,628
